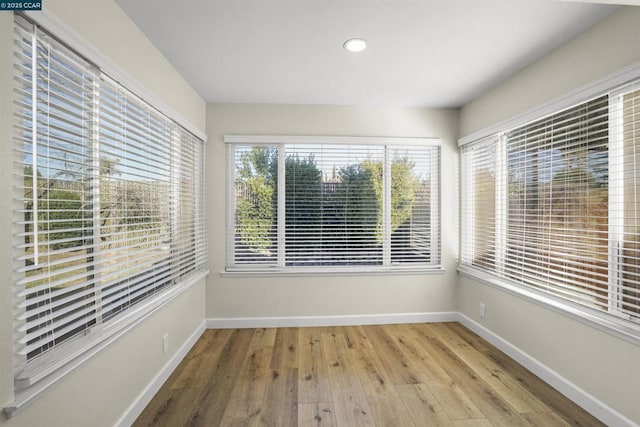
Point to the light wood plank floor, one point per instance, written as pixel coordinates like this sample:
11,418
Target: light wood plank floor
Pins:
437,374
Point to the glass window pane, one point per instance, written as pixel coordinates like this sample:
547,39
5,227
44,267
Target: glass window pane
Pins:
630,262
256,213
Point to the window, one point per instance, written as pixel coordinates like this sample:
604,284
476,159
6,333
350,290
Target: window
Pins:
331,202
551,206
625,209
108,205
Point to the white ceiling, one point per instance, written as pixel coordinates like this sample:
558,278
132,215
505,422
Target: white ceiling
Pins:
432,53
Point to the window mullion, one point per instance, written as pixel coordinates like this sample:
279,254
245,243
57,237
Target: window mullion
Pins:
34,140
281,207
231,204
502,204
434,204
386,208
616,201
95,197
175,161
467,214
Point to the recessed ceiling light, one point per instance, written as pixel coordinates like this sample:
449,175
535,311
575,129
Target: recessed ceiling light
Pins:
355,45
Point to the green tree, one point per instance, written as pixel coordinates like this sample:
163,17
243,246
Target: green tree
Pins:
366,179
60,208
64,218
304,213
256,192
404,191
357,204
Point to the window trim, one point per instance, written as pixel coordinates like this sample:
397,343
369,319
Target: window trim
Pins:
329,271
338,140
276,140
612,84
72,354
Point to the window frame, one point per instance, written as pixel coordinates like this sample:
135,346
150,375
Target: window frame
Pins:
35,376
387,143
614,85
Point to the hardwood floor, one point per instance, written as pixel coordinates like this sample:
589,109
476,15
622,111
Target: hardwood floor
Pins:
438,374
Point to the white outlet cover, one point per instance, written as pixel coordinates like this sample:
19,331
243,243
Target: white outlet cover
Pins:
165,343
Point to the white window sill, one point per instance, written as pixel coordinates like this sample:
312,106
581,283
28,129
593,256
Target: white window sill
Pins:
331,271
620,328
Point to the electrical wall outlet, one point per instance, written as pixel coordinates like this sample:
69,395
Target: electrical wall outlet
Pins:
483,310
165,343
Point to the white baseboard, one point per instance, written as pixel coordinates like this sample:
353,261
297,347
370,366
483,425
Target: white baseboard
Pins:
595,407
305,321
138,405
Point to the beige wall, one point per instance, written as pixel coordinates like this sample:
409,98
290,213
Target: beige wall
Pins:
100,391
601,364
229,297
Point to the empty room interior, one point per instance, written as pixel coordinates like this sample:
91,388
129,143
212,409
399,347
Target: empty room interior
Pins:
320,213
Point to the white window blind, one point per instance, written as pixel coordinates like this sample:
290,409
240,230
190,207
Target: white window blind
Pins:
55,286
481,204
108,202
340,205
551,205
333,205
625,201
